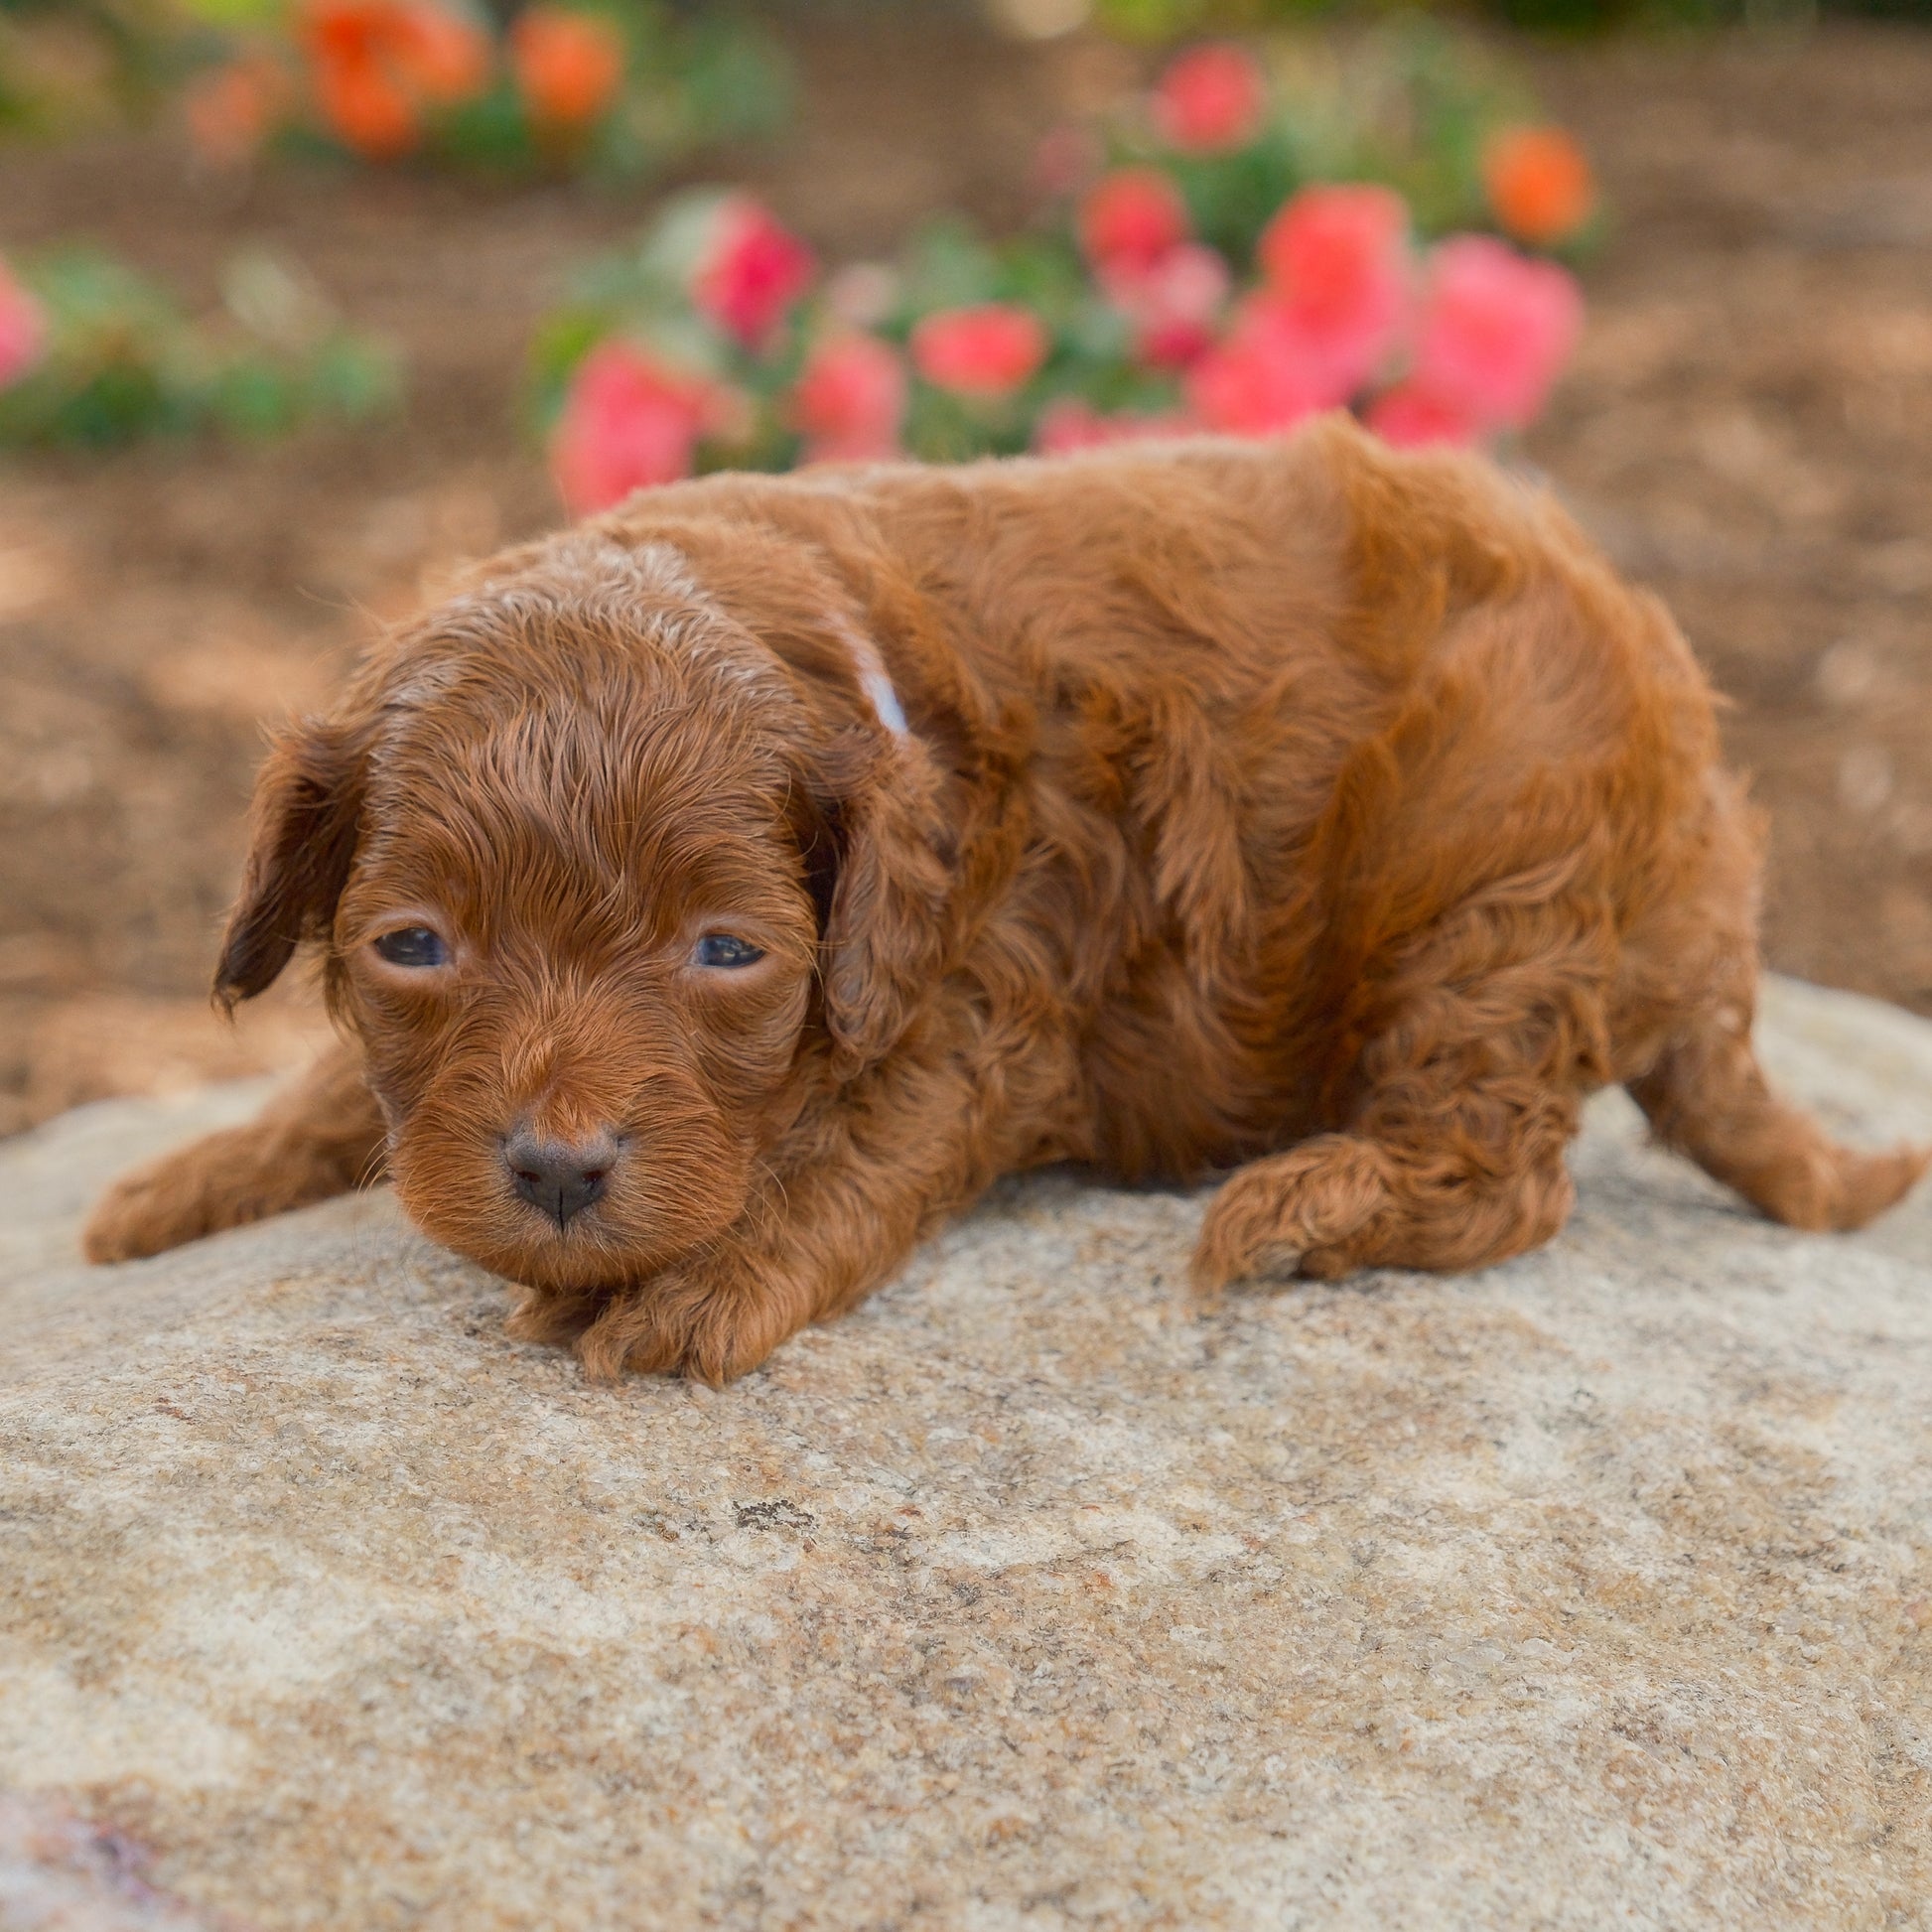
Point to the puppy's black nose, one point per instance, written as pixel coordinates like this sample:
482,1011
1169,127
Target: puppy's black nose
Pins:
558,1177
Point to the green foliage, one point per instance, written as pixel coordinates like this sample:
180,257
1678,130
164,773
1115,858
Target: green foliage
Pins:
1162,21
689,86
124,362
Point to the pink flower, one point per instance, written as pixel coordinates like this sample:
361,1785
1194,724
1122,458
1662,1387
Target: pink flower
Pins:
1408,417
23,327
1494,332
1065,157
988,350
1072,423
1258,378
1337,260
630,420
862,294
1132,218
850,401
1211,100
752,272
1173,305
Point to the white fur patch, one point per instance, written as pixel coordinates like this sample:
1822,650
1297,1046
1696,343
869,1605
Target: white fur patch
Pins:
873,680
884,701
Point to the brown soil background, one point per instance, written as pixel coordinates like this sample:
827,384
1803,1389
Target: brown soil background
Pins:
1749,428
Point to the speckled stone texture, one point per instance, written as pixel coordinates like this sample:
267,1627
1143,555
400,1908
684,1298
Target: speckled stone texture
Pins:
1592,1590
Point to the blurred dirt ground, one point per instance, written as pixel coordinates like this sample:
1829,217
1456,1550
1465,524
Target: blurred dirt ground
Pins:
1746,430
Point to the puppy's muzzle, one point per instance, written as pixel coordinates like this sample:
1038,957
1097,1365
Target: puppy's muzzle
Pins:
560,1178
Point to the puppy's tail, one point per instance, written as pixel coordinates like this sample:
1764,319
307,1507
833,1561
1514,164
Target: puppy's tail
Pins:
1706,1096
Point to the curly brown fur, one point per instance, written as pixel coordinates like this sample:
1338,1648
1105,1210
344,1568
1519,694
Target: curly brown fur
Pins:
1303,809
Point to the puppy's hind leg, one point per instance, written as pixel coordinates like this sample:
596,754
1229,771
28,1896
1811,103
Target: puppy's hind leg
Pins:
318,1136
1706,1096
1688,1002
1460,1103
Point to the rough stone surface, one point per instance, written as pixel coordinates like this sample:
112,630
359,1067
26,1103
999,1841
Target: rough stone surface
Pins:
1594,1589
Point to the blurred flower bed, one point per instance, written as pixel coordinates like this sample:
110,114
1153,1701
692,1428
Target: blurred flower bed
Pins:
1261,235
1167,20
93,354
620,88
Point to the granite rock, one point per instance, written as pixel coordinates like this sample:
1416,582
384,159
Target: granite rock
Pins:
1592,1590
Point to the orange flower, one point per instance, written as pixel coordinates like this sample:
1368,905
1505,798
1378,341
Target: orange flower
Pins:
378,64
439,54
568,65
343,32
366,107
1538,183
231,109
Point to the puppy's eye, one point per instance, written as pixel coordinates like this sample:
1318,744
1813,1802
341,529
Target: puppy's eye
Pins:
722,950
413,945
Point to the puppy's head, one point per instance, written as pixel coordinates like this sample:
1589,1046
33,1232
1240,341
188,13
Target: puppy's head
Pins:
610,880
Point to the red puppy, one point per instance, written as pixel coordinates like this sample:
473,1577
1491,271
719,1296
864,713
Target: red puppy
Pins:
720,895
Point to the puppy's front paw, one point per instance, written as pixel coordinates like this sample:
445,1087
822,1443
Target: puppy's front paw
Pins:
219,1182
160,1205
712,1319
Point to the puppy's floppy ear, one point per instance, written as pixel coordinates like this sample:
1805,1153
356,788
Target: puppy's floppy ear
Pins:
308,799
885,907
878,842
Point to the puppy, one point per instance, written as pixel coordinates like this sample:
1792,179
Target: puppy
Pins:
720,895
